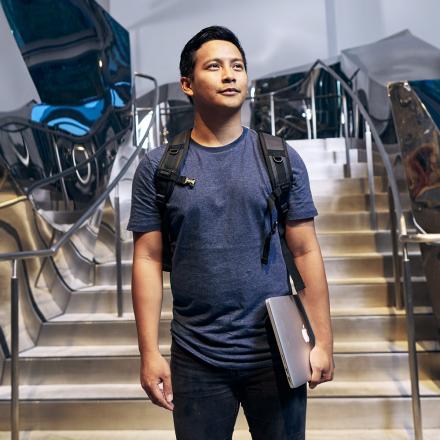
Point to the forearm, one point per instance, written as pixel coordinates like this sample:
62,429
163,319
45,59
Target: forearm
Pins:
315,296
147,294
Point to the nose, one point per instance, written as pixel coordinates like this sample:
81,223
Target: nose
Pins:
228,75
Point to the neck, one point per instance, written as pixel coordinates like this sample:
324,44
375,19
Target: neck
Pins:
216,130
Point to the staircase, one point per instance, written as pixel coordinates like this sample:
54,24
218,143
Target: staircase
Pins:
81,380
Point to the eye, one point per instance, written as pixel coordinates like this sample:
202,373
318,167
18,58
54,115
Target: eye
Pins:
213,65
238,66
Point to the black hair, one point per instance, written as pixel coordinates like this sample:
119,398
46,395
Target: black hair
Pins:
187,58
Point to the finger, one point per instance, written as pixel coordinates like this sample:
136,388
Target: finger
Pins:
316,374
167,389
157,397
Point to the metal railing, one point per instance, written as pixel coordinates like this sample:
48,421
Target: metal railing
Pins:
403,293
22,255
399,234
399,228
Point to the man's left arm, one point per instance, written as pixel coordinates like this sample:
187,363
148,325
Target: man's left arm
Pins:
302,242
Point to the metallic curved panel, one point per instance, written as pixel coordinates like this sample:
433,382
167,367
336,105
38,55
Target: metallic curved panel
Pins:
415,107
419,140
401,56
79,59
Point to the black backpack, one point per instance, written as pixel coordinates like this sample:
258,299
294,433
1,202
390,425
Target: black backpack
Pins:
276,158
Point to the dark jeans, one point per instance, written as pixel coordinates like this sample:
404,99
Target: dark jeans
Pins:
207,398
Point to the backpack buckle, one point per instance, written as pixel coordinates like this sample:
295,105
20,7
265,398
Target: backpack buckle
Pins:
175,150
189,181
278,159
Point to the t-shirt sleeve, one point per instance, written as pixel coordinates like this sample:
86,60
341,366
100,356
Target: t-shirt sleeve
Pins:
301,205
144,213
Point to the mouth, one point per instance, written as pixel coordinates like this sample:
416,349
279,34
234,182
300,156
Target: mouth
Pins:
229,91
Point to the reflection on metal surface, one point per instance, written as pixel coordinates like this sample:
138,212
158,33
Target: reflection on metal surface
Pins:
79,59
419,141
415,108
10,202
319,95
175,113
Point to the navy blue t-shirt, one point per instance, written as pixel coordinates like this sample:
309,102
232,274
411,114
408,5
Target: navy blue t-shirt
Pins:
218,281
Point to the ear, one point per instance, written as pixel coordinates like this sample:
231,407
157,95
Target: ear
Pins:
185,85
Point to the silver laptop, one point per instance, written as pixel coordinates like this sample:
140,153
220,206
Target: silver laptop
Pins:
294,336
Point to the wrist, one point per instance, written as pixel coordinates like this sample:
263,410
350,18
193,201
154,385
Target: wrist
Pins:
325,345
145,354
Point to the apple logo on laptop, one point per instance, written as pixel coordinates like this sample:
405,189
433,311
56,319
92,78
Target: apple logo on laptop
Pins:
305,335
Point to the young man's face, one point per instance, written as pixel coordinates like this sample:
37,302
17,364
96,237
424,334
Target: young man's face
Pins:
219,79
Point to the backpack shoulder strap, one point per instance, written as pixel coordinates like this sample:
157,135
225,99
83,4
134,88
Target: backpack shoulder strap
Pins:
168,170
166,177
278,166
276,158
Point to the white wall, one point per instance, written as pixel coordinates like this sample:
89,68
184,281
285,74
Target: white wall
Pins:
274,34
361,22
419,16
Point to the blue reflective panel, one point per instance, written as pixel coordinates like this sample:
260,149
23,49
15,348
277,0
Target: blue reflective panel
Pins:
429,93
74,50
78,57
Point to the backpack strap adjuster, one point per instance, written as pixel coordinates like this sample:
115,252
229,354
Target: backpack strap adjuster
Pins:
174,150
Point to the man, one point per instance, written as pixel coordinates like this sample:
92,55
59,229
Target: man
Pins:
223,353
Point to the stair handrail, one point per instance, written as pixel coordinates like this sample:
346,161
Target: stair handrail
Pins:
21,255
61,134
91,209
396,211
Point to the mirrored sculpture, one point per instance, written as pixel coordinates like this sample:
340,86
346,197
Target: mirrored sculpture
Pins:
416,109
78,57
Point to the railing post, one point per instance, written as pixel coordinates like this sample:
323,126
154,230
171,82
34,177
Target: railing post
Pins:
369,148
346,135
412,351
307,118
272,114
157,122
15,397
313,104
398,301
118,253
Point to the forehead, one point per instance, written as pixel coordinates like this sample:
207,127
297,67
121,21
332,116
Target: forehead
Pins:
217,49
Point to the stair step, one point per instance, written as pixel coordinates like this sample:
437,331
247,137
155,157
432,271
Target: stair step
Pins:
348,292
342,186
106,365
328,144
366,264
239,434
388,412
122,331
100,391
71,351
353,202
166,313
337,221
337,171
360,241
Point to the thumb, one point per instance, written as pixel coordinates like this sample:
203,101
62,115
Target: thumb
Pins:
167,389
316,376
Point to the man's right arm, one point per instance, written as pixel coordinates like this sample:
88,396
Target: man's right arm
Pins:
147,294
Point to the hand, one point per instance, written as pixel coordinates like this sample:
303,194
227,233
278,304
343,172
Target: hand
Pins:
155,378
322,364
